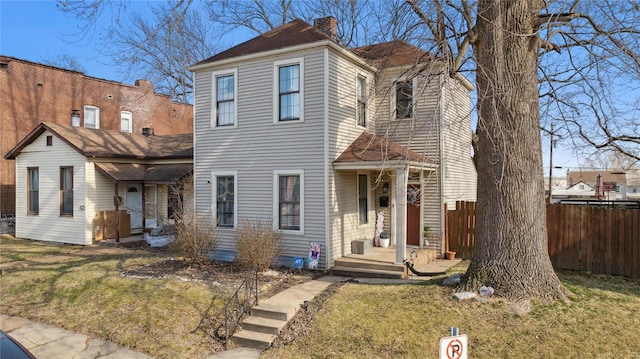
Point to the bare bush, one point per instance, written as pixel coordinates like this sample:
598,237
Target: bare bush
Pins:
257,244
195,236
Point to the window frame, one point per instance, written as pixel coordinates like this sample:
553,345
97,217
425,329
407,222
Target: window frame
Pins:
367,199
364,101
277,174
394,106
63,191
214,201
30,190
276,89
129,116
84,119
214,97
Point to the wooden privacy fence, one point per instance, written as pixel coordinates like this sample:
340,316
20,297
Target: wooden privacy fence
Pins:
581,238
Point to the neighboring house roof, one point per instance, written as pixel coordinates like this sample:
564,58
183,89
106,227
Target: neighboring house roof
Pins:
150,173
371,148
296,32
113,144
393,54
591,177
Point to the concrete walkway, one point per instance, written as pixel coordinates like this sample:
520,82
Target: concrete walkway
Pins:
46,341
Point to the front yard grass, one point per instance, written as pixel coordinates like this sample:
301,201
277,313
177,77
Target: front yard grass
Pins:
13,250
163,315
600,320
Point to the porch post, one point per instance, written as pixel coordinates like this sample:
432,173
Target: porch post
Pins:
402,177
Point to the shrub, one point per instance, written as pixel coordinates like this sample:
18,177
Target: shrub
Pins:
257,244
195,236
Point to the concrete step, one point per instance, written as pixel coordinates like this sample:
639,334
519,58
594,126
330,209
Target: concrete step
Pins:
366,273
368,264
251,339
263,325
270,311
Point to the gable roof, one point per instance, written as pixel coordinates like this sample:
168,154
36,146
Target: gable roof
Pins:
393,54
112,144
296,32
591,177
372,148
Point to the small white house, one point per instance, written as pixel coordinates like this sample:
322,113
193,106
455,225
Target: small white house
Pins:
66,175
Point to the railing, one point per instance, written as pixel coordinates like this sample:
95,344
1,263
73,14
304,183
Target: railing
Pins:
238,306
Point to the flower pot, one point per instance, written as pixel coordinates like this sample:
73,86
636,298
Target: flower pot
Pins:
384,242
450,255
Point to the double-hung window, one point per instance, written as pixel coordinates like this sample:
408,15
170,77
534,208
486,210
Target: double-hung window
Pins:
361,95
91,117
363,199
33,183
289,200
225,95
126,121
225,188
404,99
66,191
288,90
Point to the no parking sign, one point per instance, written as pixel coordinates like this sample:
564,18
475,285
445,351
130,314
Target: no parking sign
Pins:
454,347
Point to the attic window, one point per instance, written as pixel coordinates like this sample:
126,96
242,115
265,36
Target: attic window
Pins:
49,141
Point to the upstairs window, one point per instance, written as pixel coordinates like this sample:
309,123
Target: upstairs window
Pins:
33,188
361,95
66,191
404,99
225,94
126,121
288,91
91,117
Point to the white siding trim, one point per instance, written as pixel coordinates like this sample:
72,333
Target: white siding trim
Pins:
276,199
276,90
327,237
214,96
214,197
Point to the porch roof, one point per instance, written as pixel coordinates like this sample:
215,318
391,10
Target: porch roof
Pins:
370,151
149,173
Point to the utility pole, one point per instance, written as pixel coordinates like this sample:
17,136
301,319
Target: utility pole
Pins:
550,162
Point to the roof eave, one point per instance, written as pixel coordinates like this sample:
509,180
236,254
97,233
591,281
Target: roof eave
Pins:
381,165
310,45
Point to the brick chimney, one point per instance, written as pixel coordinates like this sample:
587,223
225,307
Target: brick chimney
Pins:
328,25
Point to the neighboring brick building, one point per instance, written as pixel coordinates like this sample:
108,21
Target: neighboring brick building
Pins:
31,93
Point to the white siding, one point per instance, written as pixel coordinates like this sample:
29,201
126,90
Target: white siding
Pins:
257,147
48,225
343,130
460,177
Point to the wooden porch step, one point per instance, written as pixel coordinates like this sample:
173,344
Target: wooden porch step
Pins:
367,273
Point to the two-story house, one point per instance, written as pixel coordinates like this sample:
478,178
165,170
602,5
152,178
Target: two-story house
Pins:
31,93
322,140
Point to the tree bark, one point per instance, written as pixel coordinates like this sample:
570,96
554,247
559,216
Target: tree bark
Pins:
511,248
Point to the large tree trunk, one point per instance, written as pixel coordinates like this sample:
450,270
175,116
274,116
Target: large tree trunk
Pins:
511,248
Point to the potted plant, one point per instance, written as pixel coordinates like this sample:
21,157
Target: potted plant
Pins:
426,234
384,239
450,255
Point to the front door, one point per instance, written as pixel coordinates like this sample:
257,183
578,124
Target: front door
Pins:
413,214
133,202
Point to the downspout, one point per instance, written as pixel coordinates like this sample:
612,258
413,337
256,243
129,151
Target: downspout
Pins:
327,235
441,164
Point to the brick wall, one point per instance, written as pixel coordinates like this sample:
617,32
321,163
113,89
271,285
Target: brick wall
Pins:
31,93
